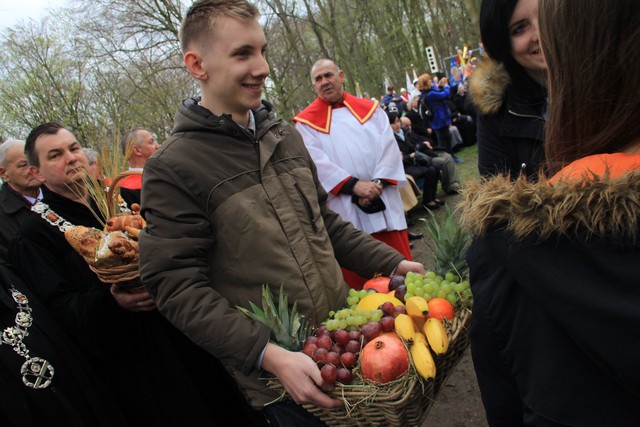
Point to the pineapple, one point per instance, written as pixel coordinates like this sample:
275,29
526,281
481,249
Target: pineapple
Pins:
448,243
288,329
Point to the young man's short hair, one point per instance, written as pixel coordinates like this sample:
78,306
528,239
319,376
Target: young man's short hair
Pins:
199,22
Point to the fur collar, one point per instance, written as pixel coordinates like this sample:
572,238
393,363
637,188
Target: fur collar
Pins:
488,84
599,208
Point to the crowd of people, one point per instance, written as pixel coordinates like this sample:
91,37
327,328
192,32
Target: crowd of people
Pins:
237,197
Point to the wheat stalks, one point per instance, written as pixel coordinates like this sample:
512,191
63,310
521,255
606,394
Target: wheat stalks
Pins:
110,163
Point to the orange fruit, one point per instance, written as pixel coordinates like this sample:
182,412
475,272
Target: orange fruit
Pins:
440,308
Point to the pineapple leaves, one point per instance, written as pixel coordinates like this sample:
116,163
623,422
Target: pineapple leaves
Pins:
289,329
448,242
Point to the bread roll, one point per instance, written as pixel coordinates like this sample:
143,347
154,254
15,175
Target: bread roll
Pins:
102,249
84,240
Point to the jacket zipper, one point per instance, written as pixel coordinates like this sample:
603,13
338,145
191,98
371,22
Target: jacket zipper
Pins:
307,207
256,137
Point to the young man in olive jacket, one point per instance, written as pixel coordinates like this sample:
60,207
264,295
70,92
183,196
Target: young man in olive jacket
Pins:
233,201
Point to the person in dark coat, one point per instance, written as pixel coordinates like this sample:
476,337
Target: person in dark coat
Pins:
155,374
553,264
418,165
508,90
419,124
19,191
66,390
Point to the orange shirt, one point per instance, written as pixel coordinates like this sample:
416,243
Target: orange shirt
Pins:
616,164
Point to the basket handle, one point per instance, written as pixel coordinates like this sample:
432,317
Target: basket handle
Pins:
116,180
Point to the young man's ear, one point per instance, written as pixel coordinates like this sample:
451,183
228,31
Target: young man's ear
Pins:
193,62
35,172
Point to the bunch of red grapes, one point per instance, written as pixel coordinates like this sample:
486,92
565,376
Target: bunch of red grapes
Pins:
336,352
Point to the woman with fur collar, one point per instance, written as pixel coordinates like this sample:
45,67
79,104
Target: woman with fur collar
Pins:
508,90
554,264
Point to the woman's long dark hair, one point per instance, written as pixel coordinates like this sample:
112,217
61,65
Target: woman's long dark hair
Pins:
591,48
494,31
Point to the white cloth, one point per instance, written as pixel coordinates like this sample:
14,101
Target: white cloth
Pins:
364,151
33,200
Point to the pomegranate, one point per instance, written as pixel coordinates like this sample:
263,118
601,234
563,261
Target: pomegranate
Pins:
378,283
384,359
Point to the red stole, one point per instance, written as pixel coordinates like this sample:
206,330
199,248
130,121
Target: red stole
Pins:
318,114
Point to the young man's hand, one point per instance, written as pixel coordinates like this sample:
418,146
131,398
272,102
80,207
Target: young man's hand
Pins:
299,375
406,266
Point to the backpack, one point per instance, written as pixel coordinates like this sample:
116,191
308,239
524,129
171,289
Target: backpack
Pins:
423,108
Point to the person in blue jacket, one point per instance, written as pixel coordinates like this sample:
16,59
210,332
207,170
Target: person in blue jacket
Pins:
436,97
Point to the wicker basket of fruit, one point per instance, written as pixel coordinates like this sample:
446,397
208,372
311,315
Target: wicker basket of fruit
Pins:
390,369
393,346
387,369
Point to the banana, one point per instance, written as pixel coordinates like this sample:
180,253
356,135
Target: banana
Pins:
404,327
417,306
436,336
419,337
423,361
417,309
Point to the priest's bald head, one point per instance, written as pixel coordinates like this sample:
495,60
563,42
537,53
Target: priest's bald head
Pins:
328,81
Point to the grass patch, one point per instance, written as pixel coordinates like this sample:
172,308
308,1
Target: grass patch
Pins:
468,169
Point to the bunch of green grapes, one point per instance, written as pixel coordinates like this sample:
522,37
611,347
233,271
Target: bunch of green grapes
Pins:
355,296
351,319
430,285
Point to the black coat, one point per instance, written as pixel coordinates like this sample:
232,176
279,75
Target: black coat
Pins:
75,397
556,328
13,211
419,125
157,375
510,124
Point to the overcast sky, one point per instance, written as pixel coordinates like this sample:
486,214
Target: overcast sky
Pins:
14,11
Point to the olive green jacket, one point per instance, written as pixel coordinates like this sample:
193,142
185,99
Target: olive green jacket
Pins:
228,212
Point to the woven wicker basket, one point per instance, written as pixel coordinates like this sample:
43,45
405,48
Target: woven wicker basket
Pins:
127,275
404,402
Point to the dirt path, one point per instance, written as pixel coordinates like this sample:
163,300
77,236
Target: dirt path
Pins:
459,403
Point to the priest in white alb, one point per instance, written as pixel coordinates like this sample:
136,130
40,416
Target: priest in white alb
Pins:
358,160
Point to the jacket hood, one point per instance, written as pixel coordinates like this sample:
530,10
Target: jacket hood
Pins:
488,84
193,117
597,208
